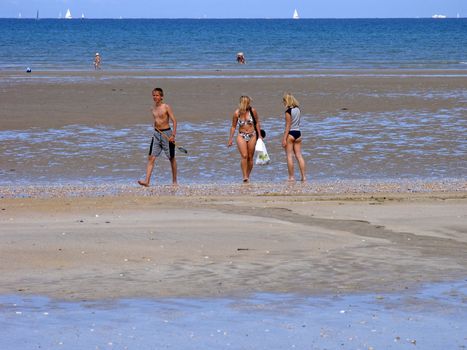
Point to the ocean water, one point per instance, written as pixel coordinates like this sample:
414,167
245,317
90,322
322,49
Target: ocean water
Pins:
145,44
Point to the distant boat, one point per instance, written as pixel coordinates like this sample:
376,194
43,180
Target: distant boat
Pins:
37,15
82,16
438,16
68,14
295,14
458,16
19,15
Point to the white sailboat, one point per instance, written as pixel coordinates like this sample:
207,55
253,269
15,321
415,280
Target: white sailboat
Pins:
82,16
68,14
438,16
295,14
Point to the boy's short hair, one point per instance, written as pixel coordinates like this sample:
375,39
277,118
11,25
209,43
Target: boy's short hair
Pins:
159,90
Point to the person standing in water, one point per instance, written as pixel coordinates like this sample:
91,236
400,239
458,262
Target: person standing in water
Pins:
292,139
241,58
249,126
163,138
97,61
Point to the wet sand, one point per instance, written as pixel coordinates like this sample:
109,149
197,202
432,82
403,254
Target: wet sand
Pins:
85,248
356,124
432,318
56,99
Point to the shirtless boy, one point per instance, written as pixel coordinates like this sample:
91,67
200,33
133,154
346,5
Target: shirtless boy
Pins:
163,137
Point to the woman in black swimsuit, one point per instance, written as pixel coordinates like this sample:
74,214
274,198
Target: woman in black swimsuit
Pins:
292,140
249,128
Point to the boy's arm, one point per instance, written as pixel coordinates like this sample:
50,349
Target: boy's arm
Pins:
174,123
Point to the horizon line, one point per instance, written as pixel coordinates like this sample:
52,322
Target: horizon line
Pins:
227,18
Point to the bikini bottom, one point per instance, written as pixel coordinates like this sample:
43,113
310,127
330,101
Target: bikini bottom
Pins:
247,135
296,134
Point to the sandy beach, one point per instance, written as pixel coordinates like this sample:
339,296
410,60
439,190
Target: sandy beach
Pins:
85,248
383,217
85,242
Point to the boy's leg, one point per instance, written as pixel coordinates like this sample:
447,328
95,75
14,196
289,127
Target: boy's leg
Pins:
149,168
173,164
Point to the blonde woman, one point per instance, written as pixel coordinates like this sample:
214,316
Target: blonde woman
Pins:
292,139
246,117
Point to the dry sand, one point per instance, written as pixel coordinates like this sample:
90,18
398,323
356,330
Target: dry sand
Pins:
133,246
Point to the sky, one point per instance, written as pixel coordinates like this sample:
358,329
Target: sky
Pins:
233,8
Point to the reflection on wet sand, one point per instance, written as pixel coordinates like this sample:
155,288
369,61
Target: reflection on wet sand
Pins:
390,145
433,318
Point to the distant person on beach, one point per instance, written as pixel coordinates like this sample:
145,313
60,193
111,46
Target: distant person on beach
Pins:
240,58
292,140
97,61
163,138
249,126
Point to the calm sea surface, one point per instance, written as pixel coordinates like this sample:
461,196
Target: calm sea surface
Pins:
51,44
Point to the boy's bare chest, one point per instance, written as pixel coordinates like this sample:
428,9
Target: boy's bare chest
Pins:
159,113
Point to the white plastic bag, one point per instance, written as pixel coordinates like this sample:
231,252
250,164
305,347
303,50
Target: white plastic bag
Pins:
262,156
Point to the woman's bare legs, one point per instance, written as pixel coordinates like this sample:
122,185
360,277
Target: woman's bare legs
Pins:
251,154
247,151
243,150
289,152
294,148
297,149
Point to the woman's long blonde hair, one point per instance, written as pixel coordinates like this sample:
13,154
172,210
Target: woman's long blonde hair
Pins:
244,104
290,101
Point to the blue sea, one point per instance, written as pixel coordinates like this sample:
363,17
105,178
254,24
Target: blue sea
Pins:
146,44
